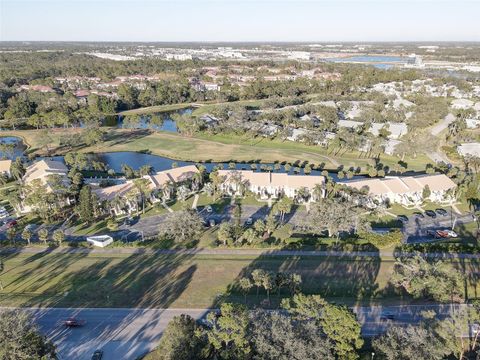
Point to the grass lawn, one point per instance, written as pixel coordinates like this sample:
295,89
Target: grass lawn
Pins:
398,209
210,147
93,229
181,281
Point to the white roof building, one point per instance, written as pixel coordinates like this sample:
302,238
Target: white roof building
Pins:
268,184
472,123
397,130
43,169
349,124
462,104
5,167
470,149
406,190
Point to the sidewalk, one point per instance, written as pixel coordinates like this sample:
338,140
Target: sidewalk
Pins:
220,252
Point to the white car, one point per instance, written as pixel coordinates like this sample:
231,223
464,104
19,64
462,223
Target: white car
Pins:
451,233
208,208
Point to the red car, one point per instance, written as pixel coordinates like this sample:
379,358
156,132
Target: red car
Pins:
72,322
11,224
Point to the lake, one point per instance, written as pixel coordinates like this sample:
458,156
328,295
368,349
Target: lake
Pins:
17,150
163,121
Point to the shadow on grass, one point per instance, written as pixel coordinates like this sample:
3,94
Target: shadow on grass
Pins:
343,279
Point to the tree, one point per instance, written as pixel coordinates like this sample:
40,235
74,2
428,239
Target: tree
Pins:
58,236
277,336
333,216
85,208
409,343
284,206
17,169
245,285
257,276
128,171
43,235
438,280
338,323
20,339
143,188
182,225
228,334
426,192
225,233
179,341
268,283
27,235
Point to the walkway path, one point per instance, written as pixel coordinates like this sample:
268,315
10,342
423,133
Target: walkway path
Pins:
240,252
195,201
169,209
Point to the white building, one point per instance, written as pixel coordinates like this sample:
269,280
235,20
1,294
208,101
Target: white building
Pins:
267,185
397,130
100,240
472,123
405,190
469,149
462,104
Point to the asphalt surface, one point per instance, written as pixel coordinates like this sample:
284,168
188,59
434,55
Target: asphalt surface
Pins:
415,230
130,333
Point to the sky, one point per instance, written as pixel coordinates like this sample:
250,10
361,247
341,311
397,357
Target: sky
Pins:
240,20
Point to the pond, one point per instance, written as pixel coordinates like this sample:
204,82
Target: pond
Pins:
11,147
135,160
156,121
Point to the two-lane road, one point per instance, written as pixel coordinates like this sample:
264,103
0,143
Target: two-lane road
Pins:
130,333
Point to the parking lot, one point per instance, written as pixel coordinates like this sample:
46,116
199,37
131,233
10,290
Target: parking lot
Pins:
420,227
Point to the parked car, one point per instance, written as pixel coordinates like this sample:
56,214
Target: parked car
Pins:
211,222
73,322
31,227
452,233
402,218
387,315
249,221
11,224
97,355
442,212
419,215
208,208
431,213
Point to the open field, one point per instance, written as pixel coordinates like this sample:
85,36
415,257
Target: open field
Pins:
212,148
182,281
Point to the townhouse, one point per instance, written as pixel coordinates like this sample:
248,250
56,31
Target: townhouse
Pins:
267,185
405,190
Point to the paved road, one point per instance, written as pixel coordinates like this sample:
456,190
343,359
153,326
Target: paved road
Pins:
120,333
442,125
129,333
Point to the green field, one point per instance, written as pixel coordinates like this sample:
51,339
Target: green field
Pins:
182,281
120,280
216,148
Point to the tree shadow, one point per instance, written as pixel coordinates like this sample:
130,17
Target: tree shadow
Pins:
348,280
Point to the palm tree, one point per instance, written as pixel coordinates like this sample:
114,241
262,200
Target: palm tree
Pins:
145,170
245,284
117,203
17,169
143,189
